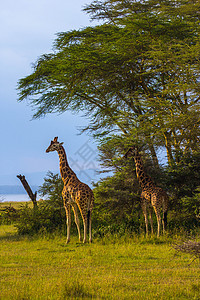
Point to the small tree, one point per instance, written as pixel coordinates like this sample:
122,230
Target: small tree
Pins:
52,189
117,204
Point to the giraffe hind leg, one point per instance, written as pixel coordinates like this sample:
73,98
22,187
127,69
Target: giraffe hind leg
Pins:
85,230
164,221
83,212
77,221
158,221
146,223
151,219
89,224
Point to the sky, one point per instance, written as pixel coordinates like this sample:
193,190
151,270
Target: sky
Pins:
28,29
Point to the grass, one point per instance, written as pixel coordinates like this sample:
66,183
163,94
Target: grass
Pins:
46,268
15,204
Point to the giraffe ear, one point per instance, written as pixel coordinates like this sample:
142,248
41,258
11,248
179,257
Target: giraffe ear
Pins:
61,143
55,139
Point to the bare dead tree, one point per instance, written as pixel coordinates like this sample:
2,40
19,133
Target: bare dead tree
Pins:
28,189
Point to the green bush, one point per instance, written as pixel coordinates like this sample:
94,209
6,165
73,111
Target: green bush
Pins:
185,214
43,219
49,216
8,215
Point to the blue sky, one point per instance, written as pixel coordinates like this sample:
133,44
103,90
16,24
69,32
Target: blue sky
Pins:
28,29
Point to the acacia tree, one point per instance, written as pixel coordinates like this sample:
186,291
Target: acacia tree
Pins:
137,74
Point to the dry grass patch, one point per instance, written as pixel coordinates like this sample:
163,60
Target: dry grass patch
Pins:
190,247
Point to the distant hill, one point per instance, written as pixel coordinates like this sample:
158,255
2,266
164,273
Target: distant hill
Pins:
15,189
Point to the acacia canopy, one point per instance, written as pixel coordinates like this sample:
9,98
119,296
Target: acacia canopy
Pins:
137,73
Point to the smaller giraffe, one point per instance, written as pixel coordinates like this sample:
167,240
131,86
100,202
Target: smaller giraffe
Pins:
76,194
151,196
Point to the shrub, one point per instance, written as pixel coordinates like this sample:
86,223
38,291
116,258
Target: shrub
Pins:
8,215
43,219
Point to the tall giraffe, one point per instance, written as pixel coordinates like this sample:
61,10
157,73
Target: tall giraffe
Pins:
151,196
76,194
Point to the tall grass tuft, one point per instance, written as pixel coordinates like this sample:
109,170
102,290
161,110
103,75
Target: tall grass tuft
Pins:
76,290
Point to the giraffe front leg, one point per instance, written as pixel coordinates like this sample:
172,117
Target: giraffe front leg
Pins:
75,209
68,217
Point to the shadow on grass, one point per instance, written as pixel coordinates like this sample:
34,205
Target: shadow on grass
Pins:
153,240
12,237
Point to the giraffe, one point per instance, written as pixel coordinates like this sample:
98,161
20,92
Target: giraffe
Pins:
151,196
76,194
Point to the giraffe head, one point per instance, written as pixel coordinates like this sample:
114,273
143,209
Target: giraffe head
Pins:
54,146
131,152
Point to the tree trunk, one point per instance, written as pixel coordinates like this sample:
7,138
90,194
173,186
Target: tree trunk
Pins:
153,155
168,148
28,190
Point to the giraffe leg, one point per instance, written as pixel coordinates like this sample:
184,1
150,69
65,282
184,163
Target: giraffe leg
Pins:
84,218
146,223
165,207
158,221
85,203
150,218
75,209
68,216
85,230
164,221
144,209
89,224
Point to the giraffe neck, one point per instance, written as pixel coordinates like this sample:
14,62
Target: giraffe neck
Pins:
66,172
145,181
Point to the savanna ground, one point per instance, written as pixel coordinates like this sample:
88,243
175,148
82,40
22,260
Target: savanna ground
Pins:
109,268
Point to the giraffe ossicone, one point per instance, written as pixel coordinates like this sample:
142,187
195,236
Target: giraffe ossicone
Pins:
152,196
76,194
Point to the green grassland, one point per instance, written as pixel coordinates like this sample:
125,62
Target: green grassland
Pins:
109,268
15,204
